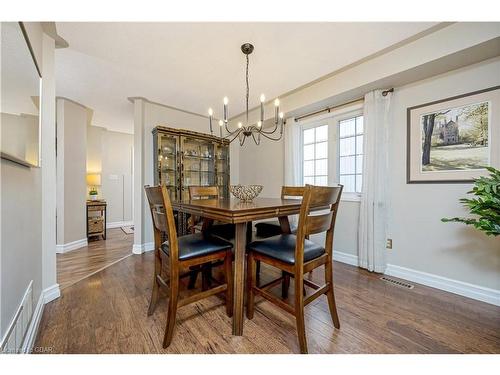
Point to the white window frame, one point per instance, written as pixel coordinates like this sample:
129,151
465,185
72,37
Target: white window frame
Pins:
312,126
331,119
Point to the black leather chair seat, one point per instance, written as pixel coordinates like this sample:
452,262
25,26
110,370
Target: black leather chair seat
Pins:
269,229
282,247
198,244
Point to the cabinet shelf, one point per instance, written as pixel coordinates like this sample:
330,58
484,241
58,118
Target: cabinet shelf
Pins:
166,155
198,157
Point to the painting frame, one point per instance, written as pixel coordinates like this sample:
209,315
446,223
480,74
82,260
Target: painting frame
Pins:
414,172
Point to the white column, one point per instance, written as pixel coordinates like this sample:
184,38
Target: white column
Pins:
48,164
139,238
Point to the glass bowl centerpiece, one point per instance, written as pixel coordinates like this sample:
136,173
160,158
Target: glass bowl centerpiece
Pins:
246,193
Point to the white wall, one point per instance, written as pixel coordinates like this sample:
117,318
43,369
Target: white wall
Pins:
420,240
110,154
21,258
72,119
27,249
19,136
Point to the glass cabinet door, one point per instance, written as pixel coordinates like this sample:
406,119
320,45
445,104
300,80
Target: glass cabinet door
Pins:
222,169
167,163
198,167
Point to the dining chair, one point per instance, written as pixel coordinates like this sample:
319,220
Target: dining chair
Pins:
225,231
181,253
197,224
273,228
297,255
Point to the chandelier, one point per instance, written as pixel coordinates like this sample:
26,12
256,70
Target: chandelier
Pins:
242,132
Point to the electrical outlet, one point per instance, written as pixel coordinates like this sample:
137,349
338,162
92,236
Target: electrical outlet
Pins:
388,244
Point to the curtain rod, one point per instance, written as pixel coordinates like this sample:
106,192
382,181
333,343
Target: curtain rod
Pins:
329,109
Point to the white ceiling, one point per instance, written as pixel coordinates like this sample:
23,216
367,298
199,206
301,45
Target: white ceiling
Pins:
194,65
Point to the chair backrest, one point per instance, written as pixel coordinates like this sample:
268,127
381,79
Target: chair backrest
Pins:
292,191
311,222
162,215
203,192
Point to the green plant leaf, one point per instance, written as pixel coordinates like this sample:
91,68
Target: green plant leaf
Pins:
485,205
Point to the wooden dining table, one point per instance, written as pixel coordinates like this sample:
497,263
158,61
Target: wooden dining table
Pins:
241,214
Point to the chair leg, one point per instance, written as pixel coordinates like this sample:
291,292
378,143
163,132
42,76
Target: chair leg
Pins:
172,310
251,279
285,285
155,293
299,312
228,270
330,295
257,277
195,270
206,276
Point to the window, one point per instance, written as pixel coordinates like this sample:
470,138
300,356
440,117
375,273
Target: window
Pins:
351,154
315,155
332,150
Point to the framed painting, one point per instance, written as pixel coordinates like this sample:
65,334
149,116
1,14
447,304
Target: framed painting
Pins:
452,140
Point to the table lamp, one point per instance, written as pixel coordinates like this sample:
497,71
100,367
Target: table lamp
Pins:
93,180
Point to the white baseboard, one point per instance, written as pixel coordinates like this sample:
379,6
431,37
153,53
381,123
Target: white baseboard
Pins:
118,224
51,293
345,258
142,248
476,292
64,248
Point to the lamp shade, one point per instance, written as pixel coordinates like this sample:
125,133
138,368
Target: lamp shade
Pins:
94,179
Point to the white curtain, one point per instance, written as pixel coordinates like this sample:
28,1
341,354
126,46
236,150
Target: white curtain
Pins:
292,157
372,233
292,153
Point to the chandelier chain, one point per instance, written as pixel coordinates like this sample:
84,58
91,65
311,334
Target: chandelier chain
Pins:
248,90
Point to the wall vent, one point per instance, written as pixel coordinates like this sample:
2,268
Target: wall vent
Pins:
395,282
16,332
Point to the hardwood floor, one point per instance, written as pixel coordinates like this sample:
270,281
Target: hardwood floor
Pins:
79,264
106,313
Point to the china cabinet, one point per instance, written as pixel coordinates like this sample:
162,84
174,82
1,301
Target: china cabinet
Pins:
184,158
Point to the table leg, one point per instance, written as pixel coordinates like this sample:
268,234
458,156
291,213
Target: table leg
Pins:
285,224
239,278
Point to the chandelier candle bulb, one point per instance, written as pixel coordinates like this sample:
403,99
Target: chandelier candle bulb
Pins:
259,124
225,101
210,114
240,125
276,110
262,100
220,127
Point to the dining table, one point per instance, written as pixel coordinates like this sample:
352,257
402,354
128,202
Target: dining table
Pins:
242,214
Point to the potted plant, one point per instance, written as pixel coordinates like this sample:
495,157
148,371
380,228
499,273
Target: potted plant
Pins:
93,193
485,205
